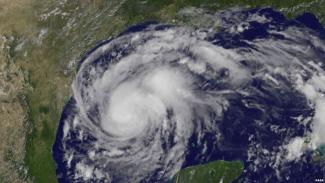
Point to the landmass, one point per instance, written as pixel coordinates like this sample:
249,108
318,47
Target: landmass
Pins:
213,172
40,45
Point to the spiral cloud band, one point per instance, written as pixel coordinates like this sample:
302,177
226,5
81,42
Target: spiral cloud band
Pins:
152,92
160,97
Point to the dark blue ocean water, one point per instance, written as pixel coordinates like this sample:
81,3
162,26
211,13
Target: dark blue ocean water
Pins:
277,106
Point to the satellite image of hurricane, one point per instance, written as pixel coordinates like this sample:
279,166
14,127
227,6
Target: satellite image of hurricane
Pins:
161,97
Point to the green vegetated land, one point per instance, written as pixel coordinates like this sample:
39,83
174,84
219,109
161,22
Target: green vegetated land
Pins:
58,33
213,172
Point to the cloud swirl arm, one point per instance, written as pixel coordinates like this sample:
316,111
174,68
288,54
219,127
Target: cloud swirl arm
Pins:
160,97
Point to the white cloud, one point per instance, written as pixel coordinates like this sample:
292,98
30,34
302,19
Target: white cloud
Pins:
295,148
159,75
